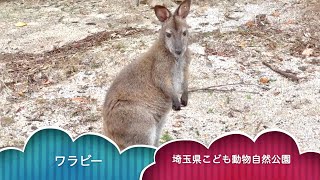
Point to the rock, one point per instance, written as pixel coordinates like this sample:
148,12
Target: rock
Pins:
234,15
264,80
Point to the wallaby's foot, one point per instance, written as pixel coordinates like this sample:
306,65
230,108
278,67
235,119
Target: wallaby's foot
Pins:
176,105
184,99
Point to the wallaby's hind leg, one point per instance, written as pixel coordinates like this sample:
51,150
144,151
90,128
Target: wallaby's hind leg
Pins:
159,130
129,125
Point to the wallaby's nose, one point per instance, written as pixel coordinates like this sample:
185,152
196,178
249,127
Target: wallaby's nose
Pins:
178,52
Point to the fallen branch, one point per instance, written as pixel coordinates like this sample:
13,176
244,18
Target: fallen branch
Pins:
221,90
214,88
290,76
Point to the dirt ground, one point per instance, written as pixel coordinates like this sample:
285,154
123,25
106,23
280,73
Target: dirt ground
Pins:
255,66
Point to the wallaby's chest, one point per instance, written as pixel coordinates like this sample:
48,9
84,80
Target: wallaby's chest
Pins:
178,75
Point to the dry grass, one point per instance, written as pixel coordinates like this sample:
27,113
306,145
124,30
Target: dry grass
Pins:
32,70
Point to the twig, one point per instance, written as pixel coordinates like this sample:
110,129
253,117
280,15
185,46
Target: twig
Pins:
4,86
222,90
282,73
213,88
258,126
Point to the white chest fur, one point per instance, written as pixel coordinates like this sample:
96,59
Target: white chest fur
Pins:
178,75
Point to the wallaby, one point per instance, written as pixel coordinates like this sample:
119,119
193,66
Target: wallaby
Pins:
143,93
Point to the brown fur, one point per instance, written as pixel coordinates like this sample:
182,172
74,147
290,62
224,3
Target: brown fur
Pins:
143,93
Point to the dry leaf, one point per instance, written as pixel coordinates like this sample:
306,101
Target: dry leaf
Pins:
80,99
220,53
243,44
250,24
290,21
46,82
21,24
307,52
21,94
276,93
264,80
276,14
272,45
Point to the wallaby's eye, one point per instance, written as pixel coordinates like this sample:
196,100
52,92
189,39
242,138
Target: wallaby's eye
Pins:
168,35
184,33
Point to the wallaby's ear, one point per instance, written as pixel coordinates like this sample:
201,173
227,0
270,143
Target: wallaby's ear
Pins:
183,10
162,13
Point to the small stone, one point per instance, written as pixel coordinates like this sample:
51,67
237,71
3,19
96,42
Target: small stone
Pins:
307,52
175,131
264,80
88,73
234,15
302,68
177,124
209,64
276,93
288,100
230,114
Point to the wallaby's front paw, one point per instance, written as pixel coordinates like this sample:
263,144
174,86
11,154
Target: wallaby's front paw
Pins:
184,99
176,105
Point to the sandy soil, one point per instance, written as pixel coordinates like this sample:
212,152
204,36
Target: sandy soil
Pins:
56,70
